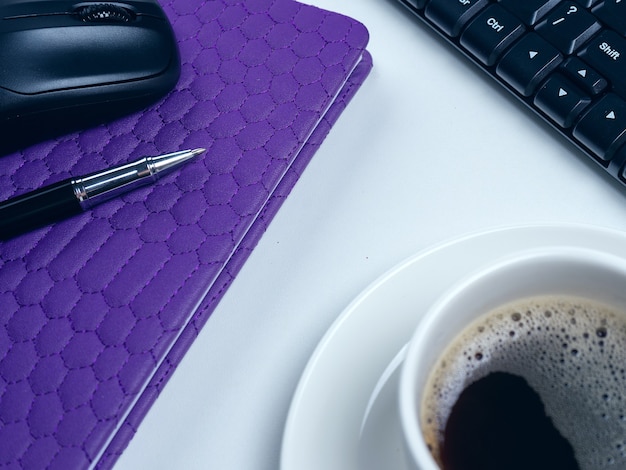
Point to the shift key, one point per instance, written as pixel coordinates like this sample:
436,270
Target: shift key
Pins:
607,54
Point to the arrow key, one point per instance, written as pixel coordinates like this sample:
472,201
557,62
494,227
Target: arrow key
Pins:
561,100
603,128
584,76
527,63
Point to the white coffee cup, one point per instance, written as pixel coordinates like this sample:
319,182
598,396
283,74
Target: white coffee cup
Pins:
566,271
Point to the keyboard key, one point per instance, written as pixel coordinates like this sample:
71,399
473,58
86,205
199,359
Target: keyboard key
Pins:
613,13
618,164
561,100
529,11
452,15
417,3
490,33
564,58
568,26
528,62
607,53
588,3
584,76
603,128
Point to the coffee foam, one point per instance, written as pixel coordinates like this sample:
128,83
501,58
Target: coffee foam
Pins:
571,351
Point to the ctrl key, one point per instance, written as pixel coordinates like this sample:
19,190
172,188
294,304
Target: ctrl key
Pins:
490,33
603,128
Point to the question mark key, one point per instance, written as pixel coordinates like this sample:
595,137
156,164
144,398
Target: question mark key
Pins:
567,27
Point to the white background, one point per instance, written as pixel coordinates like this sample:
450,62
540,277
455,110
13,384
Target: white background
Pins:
429,149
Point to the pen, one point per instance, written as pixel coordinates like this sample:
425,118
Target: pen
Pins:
75,195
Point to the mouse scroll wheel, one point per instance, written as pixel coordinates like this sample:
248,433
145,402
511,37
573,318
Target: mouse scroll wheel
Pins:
105,12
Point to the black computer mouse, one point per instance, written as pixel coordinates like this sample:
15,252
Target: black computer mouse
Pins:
66,64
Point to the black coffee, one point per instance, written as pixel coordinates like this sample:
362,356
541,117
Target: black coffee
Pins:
499,422
537,384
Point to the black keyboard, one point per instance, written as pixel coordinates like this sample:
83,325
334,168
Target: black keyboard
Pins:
566,60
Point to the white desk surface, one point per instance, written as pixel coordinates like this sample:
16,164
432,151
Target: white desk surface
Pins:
428,150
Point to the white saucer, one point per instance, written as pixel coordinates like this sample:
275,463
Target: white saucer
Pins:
326,415
380,439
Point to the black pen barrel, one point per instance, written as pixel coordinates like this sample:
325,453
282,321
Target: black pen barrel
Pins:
74,195
37,209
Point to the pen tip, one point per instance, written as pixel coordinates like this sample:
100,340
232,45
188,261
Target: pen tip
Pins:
167,162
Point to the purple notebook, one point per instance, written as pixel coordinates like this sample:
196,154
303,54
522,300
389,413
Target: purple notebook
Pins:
98,310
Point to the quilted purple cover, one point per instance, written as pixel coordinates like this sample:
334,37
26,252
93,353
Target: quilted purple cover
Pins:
98,310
